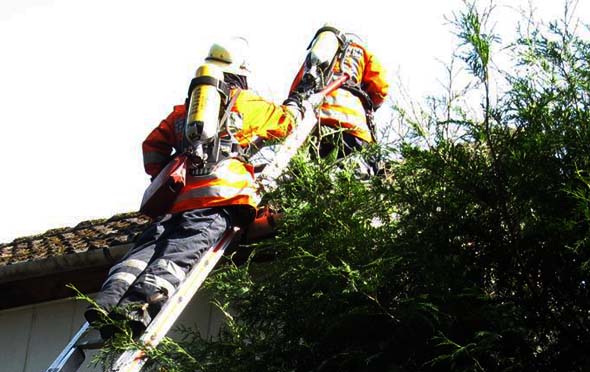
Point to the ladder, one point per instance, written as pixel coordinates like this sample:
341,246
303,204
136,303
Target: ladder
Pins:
132,360
72,357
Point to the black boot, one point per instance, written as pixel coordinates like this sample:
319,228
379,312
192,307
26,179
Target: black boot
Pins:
93,315
103,322
138,320
135,317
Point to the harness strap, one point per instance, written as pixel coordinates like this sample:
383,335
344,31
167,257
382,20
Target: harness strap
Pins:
357,91
224,123
230,105
220,85
339,35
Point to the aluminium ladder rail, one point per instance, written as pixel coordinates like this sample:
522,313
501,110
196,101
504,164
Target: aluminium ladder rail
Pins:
134,359
72,357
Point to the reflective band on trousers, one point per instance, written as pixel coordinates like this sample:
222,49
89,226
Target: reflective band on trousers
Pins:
159,283
170,267
126,277
225,192
136,264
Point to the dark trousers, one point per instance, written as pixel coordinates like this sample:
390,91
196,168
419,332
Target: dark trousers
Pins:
345,144
152,270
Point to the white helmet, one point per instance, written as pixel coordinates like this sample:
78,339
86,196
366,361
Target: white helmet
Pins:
230,56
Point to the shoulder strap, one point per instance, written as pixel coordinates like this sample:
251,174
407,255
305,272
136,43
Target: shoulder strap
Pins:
221,86
339,35
359,92
230,105
224,123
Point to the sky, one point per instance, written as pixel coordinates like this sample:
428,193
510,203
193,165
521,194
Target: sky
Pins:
82,82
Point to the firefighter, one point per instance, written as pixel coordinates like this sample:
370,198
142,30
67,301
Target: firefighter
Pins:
346,114
214,199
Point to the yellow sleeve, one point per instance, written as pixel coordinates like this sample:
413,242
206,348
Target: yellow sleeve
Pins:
261,118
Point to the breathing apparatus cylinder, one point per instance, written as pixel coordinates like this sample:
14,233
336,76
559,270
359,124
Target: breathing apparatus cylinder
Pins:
323,50
322,53
205,101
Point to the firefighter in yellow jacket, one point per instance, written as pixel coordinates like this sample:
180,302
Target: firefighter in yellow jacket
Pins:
346,114
219,192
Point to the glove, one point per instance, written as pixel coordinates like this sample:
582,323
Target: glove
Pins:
294,104
295,99
309,83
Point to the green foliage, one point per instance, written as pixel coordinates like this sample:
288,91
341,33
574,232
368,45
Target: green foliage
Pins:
475,41
470,252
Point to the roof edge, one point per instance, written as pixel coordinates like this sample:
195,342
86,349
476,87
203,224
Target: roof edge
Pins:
61,264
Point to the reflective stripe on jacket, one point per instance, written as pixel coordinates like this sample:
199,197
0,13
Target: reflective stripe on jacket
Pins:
231,181
342,109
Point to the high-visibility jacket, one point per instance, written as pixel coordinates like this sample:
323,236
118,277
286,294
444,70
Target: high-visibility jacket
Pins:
231,181
342,108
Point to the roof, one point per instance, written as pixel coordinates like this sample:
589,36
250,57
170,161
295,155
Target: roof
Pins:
84,237
42,267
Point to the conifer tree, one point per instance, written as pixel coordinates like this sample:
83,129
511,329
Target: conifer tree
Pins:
469,252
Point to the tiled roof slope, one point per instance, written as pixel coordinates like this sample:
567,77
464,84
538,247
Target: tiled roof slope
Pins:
86,236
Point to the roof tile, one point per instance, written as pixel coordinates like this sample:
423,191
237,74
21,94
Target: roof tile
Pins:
87,235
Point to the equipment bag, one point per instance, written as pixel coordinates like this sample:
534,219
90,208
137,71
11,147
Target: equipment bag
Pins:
161,193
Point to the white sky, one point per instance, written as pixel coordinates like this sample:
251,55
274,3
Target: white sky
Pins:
83,82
